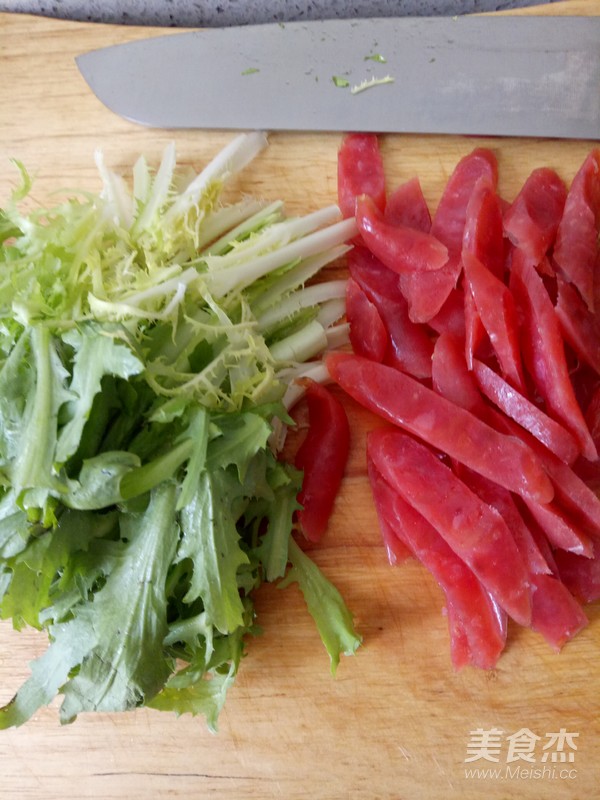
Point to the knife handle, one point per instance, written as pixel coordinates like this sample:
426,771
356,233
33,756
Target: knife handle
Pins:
221,13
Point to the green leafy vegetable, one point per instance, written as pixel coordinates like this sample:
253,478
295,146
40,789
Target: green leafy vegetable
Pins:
325,605
340,82
376,57
150,338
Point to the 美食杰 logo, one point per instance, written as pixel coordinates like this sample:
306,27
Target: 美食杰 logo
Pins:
523,754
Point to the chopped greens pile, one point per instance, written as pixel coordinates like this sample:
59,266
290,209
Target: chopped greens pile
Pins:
150,337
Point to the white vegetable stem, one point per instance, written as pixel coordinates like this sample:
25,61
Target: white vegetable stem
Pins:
241,276
231,160
275,236
295,277
315,371
159,191
303,298
301,345
231,222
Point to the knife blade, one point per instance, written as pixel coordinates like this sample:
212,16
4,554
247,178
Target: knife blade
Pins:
478,75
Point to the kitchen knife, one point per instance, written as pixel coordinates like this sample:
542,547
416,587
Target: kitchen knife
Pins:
482,75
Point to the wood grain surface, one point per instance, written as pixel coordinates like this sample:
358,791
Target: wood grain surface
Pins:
396,721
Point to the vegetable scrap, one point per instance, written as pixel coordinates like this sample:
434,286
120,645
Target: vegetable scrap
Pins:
340,82
476,339
369,83
152,343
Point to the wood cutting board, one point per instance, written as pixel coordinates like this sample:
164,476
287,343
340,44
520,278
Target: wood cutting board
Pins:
396,721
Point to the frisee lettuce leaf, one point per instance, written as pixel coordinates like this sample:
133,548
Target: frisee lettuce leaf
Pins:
150,338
